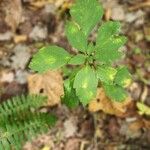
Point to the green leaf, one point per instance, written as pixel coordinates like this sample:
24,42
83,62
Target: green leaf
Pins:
112,44
70,98
91,48
51,57
75,36
77,60
123,77
108,42
143,109
106,74
104,56
87,13
107,30
85,83
115,92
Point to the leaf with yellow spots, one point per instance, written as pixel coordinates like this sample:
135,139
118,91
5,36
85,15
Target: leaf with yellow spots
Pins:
108,42
123,77
106,74
85,84
95,57
87,13
51,57
115,92
143,109
75,36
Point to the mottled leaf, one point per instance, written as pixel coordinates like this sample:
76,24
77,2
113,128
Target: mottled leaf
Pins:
115,92
106,74
143,109
85,84
51,57
87,13
75,36
123,77
108,42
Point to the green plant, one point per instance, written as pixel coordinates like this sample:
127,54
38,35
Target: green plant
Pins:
20,121
94,59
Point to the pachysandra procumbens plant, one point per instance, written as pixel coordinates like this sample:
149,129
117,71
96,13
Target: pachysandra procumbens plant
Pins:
94,59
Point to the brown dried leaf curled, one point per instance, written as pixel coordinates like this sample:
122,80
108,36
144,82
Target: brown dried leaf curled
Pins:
102,102
49,84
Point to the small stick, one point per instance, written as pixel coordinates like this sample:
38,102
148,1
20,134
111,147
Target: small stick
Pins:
141,5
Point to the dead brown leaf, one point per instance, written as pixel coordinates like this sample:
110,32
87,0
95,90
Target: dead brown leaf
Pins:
13,11
102,102
146,123
49,84
139,124
72,144
136,125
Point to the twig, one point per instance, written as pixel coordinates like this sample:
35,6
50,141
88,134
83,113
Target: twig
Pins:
95,127
83,143
140,5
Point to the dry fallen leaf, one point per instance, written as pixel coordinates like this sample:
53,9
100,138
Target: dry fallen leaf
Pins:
13,11
72,144
136,125
49,84
6,76
70,127
139,124
102,102
146,123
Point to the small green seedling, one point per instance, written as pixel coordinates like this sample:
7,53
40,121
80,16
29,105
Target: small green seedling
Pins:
94,59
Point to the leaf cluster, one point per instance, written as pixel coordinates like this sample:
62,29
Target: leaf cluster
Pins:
20,121
94,59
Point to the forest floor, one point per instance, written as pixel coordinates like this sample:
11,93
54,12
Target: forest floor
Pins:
25,27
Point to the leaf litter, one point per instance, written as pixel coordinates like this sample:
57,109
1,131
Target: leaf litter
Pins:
132,22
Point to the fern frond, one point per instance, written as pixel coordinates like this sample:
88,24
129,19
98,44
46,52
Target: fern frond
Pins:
19,122
14,134
19,104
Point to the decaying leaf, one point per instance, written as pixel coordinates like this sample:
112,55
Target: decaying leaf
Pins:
136,125
139,124
146,123
13,11
6,76
102,102
49,84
